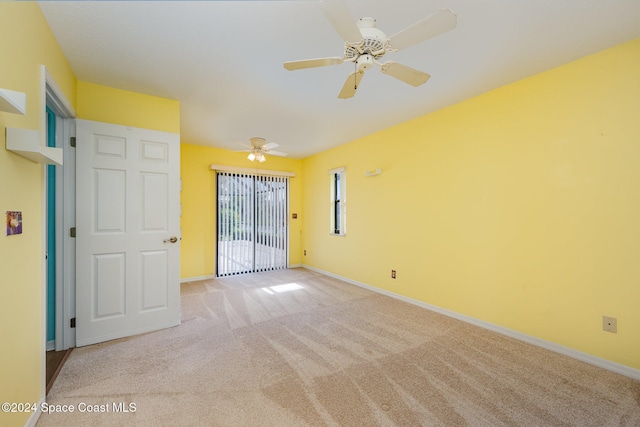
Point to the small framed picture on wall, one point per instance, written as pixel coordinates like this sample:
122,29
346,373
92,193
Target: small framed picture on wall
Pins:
14,222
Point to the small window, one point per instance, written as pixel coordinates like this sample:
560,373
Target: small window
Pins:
338,201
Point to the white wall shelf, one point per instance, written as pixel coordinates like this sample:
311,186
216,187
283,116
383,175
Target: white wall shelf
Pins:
13,102
26,143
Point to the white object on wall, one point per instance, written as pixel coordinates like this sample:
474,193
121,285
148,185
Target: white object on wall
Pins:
13,102
26,142
375,172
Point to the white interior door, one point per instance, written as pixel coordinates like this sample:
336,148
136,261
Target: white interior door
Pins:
127,231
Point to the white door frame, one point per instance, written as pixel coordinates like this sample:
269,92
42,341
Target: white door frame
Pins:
55,99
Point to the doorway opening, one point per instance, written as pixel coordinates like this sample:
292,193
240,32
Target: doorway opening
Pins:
51,250
58,214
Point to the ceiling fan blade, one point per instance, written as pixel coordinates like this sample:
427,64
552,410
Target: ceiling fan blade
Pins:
270,145
311,63
424,29
406,74
277,153
351,85
338,15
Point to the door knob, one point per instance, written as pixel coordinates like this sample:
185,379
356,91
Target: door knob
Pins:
171,240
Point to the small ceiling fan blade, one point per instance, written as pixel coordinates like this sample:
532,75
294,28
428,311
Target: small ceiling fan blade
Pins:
338,15
351,85
406,74
311,63
270,145
277,153
424,29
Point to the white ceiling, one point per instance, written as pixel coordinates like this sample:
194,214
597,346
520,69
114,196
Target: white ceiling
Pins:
223,59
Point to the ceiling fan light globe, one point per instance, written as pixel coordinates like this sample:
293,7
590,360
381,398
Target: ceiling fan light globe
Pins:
251,157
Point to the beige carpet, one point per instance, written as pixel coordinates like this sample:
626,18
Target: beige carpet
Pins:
296,348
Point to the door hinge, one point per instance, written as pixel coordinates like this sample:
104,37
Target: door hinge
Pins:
72,322
72,141
72,232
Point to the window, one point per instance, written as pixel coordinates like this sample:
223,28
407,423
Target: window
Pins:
338,201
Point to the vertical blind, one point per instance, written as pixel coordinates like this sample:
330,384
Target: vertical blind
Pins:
252,223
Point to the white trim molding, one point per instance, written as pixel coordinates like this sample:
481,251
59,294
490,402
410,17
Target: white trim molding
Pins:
35,416
557,348
54,96
196,279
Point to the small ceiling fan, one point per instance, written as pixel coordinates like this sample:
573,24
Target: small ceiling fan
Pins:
365,44
259,147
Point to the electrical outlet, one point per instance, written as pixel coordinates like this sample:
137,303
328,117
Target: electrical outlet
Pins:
393,274
610,324
305,252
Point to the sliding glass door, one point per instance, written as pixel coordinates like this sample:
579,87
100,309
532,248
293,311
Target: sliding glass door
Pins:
252,223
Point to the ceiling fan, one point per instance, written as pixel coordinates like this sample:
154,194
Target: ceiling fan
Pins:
365,44
259,147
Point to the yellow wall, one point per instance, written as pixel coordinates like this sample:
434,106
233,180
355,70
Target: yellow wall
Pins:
197,256
519,207
26,43
121,107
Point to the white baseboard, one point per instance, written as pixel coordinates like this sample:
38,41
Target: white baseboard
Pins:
35,416
196,279
567,351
